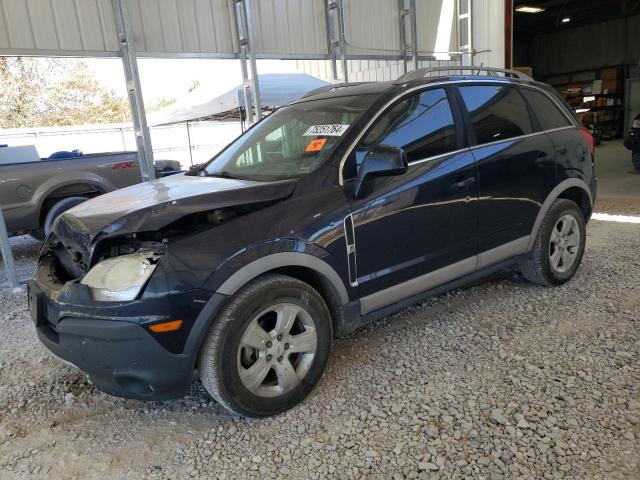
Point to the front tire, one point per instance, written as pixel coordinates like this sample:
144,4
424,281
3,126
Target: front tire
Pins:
559,246
635,159
267,348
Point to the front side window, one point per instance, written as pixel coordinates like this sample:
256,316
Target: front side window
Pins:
292,141
548,114
497,112
421,124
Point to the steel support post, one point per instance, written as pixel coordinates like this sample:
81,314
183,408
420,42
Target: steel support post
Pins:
408,14
403,34
329,9
132,77
465,31
414,34
247,55
343,42
7,255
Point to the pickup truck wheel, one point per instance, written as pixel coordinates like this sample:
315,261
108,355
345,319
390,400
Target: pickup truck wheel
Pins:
268,347
559,246
58,209
635,159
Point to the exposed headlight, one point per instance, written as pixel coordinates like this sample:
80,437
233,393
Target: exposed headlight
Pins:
635,124
120,278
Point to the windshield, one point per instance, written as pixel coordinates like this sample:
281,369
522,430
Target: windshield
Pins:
290,142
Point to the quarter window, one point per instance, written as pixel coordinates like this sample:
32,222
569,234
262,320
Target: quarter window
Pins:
497,112
548,114
421,124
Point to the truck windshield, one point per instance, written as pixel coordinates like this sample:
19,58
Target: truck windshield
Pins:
290,142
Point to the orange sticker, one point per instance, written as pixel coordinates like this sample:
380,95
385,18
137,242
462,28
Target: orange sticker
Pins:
316,145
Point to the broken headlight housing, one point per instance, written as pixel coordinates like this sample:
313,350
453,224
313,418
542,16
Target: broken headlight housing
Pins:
121,278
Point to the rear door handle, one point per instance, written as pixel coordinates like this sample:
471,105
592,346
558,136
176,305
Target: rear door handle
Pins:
463,185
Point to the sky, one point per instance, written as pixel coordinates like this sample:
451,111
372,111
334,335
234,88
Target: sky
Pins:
172,78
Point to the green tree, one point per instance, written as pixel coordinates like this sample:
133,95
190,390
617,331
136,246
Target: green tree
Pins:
38,92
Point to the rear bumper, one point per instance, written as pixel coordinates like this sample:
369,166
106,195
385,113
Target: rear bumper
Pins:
112,342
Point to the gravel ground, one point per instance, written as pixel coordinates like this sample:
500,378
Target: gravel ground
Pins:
498,380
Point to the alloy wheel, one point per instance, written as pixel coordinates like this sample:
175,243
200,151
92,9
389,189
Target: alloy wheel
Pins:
277,350
564,244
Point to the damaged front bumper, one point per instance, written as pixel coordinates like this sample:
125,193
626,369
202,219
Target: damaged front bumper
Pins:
112,342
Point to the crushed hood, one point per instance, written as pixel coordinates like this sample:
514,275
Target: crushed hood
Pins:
153,205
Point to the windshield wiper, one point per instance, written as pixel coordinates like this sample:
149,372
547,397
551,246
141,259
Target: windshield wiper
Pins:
223,174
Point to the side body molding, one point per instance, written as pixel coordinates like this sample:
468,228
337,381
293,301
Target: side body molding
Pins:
283,259
553,195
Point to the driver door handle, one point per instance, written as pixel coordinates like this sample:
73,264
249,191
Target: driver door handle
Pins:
463,185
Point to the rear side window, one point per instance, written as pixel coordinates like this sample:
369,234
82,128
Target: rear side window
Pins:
548,114
497,112
421,124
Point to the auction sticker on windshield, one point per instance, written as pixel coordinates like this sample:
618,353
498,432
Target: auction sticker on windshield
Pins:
326,130
316,145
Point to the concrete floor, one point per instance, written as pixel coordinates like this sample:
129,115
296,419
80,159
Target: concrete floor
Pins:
618,182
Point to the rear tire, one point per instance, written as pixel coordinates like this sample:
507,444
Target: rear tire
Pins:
58,209
559,246
267,348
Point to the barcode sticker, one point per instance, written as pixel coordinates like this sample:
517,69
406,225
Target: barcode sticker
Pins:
326,130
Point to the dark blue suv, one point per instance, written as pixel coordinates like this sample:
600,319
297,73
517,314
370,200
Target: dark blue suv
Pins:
338,209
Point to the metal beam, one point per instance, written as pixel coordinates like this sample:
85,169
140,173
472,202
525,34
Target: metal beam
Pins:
465,31
329,7
7,256
247,56
408,14
337,39
134,90
343,42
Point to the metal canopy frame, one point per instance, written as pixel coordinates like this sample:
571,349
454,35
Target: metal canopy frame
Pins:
7,256
247,54
336,39
465,30
134,90
408,14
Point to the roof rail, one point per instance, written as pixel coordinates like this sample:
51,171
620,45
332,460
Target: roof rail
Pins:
489,71
328,88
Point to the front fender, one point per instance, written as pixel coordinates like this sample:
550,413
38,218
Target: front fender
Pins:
251,262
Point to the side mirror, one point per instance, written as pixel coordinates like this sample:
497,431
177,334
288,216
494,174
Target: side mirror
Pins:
380,161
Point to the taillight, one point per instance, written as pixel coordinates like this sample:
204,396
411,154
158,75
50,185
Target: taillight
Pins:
586,134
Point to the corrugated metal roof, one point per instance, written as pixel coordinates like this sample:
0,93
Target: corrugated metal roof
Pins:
289,27
282,28
372,27
87,27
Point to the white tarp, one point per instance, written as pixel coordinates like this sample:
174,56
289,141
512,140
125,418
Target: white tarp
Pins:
276,89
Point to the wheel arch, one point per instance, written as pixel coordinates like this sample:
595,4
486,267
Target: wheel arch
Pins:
299,265
573,189
304,267
66,191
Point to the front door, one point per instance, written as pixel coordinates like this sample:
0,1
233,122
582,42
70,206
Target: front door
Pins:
417,230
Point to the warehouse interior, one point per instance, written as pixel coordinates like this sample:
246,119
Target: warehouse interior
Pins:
590,53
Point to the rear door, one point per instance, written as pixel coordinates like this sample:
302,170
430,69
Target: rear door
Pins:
516,168
424,221
572,155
